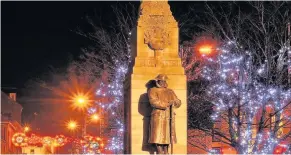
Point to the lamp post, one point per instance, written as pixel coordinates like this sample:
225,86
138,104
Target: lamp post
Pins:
95,117
81,103
85,125
72,126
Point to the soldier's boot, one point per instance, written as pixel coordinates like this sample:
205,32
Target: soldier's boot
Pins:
160,149
165,148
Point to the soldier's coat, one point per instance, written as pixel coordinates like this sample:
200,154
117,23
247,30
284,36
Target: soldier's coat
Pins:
159,132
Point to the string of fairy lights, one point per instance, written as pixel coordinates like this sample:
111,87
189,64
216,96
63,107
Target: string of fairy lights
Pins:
235,81
114,90
89,143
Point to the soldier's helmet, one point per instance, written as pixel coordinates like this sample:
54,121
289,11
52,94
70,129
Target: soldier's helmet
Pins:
162,77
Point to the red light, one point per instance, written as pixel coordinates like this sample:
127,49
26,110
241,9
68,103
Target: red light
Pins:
205,45
205,49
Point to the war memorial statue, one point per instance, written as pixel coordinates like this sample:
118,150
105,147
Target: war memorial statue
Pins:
149,105
162,122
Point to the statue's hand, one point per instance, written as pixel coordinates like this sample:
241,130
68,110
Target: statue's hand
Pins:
177,103
171,102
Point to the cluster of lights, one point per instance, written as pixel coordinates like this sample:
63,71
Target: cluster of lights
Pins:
114,90
90,143
47,141
233,83
34,140
72,125
60,140
21,140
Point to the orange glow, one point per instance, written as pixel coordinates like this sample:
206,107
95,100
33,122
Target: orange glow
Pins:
81,102
72,125
19,139
94,117
26,128
69,88
206,45
205,49
55,144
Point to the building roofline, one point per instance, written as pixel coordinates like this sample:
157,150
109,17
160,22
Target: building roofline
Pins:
11,123
3,93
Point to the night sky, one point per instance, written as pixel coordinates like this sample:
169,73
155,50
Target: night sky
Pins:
37,35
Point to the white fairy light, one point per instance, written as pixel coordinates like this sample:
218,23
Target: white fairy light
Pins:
231,81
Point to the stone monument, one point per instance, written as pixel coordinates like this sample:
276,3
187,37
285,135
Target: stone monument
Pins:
155,49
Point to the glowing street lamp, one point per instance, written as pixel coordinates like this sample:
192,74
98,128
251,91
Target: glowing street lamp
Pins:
72,125
81,102
26,129
94,117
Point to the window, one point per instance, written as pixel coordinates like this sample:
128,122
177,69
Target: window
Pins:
12,96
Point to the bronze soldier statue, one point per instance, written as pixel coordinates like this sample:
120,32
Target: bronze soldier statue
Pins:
162,126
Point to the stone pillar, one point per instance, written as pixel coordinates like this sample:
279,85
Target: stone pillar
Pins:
155,47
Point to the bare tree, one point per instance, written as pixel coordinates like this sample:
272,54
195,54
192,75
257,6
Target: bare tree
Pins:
247,80
111,52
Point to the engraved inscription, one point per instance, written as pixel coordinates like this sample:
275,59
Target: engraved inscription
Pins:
171,63
145,63
154,63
